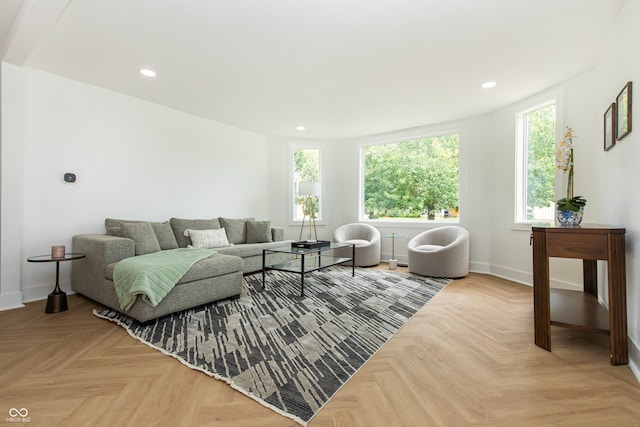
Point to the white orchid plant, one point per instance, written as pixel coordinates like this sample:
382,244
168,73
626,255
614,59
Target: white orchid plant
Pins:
564,162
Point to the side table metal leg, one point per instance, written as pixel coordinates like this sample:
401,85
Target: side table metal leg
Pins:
57,300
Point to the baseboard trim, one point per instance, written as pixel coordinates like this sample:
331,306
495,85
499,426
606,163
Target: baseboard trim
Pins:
634,358
38,293
12,300
526,278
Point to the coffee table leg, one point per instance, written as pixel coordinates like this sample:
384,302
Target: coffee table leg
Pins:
263,268
353,260
302,277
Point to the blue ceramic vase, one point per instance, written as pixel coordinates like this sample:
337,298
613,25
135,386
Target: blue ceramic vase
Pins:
568,217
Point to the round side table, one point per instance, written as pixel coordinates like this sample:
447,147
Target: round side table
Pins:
57,300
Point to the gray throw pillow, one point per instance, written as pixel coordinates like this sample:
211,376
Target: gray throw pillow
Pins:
259,231
164,234
236,229
143,236
180,225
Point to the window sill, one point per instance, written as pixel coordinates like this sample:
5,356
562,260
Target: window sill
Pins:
408,223
526,226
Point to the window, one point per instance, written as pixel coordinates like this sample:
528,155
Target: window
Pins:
535,177
415,179
306,183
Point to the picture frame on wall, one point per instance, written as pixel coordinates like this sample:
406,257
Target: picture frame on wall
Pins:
623,112
610,127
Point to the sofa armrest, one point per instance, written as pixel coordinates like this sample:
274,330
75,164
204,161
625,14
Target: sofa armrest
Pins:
277,234
88,274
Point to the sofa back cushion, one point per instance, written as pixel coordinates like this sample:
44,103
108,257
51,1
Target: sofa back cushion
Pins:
162,230
164,234
180,225
259,231
236,229
143,236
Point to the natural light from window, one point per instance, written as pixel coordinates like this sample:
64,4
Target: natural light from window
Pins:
411,180
535,189
306,179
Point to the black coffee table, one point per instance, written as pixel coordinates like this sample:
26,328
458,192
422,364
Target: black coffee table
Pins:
307,260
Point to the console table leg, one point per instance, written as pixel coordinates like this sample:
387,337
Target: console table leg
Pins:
590,276
541,292
619,351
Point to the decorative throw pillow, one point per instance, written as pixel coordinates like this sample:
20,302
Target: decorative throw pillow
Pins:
207,238
164,234
180,225
143,236
259,231
236,229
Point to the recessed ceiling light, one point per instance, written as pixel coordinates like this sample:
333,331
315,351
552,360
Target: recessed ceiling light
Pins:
147,72
300,128
487,85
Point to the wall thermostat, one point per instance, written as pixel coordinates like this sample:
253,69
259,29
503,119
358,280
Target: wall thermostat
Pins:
70,177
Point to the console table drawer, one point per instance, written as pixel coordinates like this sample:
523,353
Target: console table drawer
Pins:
571,245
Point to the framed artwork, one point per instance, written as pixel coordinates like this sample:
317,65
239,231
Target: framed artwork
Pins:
623,112
610,127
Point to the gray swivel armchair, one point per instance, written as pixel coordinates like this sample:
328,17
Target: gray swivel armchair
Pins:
366,239
440,252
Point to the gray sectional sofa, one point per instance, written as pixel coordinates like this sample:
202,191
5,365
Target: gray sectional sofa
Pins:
214,278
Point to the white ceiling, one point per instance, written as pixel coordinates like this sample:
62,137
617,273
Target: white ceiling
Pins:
342,68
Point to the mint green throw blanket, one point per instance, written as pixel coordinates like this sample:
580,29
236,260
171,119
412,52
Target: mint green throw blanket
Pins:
153,275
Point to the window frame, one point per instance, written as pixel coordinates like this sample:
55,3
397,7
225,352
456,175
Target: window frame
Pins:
398,137
293,146
522,160
520,180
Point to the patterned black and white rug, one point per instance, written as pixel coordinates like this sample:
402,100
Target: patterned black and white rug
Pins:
290,353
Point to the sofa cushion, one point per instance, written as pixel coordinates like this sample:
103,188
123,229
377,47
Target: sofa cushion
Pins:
164,234
250,249
180,225
115,231
236,229
215,265
143,236
114,226
207,238
259,231
162,230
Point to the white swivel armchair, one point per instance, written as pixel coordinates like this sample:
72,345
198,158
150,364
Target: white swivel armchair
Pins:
440,252
366,239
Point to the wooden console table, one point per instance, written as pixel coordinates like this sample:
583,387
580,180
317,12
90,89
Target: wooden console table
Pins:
581,310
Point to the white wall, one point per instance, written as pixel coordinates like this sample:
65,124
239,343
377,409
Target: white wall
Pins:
133,159
11,119
616,171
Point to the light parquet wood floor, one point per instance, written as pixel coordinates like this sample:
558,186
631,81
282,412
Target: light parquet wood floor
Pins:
466,359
